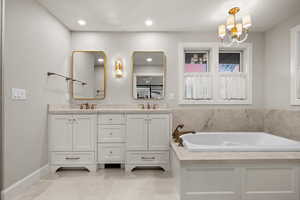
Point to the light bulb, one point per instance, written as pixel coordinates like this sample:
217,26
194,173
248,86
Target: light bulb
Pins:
230,22
81,22
149,22
247,22
222,31
149,59
239,29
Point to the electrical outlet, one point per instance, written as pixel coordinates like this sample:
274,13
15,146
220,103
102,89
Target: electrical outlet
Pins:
18,94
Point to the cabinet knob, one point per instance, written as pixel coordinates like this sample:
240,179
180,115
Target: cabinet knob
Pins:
110,133
110,152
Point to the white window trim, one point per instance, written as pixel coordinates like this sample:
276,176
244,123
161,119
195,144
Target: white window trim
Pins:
295,39
214,73
212,47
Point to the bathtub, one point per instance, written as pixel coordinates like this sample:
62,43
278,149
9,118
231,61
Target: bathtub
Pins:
238,141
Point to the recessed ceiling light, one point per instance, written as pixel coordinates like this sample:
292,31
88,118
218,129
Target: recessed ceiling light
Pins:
149,22
81,22
149,59
100,60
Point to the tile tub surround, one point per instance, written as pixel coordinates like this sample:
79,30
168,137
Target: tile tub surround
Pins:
280,122
201,119
285,123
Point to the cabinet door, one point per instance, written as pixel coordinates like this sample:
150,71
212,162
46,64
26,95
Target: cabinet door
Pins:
136,132
60,132
84,133
158,132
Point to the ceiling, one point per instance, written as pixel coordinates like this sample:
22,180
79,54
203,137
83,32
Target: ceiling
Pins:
167,15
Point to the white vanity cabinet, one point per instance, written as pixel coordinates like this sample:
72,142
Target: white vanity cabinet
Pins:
72,140
147,137
111,139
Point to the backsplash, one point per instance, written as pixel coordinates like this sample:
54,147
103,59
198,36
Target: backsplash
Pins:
219,119
283,123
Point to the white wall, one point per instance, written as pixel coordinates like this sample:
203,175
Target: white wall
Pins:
1,94
35,43
277,68
123,44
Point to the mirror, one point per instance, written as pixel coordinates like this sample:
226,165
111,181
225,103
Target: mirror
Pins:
88,69
149,69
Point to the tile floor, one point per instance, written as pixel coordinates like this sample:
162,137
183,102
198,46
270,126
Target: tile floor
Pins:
106,184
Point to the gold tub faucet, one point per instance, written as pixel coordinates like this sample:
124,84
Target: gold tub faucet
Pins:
177,133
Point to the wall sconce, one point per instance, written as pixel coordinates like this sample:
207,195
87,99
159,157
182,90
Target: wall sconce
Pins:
119,68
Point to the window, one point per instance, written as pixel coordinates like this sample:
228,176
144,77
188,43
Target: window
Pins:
196,61
230,61
210,73
196,74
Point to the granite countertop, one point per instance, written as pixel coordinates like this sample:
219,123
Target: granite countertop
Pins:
54,109
184,155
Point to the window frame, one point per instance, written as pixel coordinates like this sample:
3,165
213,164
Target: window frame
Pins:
295,66
232,51
213,71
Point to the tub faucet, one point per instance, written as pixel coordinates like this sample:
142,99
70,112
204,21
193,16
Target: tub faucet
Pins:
177,133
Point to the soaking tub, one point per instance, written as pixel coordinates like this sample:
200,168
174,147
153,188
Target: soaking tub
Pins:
238,141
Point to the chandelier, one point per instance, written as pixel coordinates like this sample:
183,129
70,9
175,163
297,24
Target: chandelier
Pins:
234,33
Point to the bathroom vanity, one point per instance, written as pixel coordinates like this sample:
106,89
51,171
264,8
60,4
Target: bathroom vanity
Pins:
131,137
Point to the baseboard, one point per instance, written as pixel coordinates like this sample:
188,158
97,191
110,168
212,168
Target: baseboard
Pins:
14,190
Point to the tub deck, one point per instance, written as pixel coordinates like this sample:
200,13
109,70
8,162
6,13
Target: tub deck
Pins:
185,155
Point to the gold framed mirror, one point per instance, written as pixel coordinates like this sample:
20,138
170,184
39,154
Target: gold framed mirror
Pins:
149,75
89,69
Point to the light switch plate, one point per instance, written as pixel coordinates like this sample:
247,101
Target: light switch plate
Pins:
18,94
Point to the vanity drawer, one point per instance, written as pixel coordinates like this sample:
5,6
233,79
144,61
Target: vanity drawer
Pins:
111,119
160,157
72,158
111,133
111,153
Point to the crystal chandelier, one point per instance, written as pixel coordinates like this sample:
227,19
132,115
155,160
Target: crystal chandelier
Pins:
234,33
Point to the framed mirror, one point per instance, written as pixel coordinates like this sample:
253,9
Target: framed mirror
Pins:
149,74
88,69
